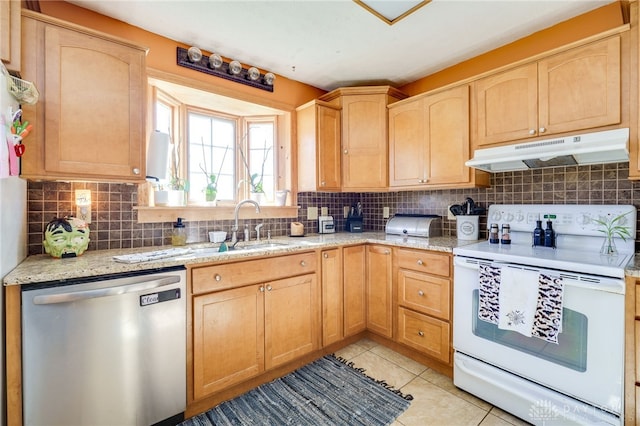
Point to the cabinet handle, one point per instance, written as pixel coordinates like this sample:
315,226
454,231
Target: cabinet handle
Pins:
325,255
532,132
261,288
420,262
420,293
303,263
322,183
421,333
542,130
136,171
217,277
346,151
269,288
387,252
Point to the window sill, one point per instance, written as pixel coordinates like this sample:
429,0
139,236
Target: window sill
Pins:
203,213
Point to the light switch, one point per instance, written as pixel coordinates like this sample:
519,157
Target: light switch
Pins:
385,212
312,213
324,211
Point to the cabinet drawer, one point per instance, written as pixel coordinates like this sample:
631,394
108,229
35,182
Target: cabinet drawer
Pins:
426,334
424,261
237,274
424,293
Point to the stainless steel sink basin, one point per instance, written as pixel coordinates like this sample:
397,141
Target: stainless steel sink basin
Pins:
261,246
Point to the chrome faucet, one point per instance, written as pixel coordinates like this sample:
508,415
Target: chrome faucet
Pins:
234,235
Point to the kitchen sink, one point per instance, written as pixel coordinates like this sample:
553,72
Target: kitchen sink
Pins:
260,245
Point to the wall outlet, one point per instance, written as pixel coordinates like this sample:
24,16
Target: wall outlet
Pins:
345,211
312,213
324,211
450,215
385,212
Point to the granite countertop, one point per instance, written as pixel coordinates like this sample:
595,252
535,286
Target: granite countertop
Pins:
633,267
44,268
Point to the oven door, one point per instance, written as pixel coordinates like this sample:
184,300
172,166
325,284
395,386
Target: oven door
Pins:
587,363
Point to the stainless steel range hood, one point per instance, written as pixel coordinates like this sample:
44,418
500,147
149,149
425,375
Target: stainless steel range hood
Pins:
611,146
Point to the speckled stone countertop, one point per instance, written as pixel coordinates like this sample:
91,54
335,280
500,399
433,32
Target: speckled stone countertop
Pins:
44,268
633,267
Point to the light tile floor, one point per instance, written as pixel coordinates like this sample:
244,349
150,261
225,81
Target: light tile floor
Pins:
436,401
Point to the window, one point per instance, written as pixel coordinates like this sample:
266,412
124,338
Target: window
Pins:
260,163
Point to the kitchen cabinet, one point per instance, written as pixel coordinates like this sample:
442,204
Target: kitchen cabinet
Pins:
92,116
251,316
354,283
10,24
423,283
379,290
429,142
318,129
332,296
365,160
573,90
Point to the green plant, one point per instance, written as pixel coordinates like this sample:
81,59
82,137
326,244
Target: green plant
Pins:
256,179
211,189
611,228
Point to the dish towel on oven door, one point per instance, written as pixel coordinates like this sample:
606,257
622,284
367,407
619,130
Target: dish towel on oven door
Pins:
547,301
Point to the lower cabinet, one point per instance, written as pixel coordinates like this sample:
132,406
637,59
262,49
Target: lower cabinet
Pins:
379,294
240,332
423,283
354,259
332,296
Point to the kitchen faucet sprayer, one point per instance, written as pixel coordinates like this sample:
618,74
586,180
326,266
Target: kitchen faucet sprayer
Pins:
234,235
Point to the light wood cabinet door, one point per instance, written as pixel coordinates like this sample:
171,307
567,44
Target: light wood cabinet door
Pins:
507,105
319,147
93,116
332,296
426,334
10,33
379,290
355,303
292,319
580,88
447,131
228,338
408,147
364,142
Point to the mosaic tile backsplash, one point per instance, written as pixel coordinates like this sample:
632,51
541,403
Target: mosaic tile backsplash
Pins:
115,224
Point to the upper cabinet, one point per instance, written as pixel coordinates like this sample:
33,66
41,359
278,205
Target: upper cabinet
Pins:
319,166
573,90
92,109
10,33
429,142
364,134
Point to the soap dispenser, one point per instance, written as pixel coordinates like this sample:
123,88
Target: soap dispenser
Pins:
549,235
179,235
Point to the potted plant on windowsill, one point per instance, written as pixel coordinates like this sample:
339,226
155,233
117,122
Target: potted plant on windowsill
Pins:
256,180
211,190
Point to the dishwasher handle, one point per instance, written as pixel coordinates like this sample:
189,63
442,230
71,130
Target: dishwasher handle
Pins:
48,299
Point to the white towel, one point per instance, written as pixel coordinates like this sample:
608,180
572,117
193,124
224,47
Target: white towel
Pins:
518,300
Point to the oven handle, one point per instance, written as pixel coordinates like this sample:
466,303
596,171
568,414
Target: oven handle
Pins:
589,282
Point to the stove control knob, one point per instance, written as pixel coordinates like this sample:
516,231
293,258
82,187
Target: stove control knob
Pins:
495,217
508,217
583,219
520,217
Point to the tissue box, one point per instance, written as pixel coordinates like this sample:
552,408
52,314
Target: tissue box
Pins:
217,236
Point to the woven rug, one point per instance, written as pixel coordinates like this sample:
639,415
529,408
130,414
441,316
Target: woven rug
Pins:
329,391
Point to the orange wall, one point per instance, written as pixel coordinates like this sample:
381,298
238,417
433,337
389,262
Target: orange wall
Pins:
577,28
287,94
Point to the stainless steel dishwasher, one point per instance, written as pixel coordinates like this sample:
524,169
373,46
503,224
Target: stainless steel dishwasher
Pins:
105,351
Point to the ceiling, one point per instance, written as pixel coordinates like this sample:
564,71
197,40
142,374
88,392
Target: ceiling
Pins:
337,43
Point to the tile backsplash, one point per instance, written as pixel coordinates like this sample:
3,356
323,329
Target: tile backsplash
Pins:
114,221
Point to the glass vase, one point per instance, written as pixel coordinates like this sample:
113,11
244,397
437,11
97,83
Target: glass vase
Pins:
210,194
609,246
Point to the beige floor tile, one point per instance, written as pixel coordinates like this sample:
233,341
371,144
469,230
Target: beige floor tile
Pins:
446,383
367,343
383,369
399,359
348,352
433,405
492,420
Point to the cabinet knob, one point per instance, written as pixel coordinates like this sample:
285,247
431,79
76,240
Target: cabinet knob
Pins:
532,132
542,130
325,255
387,252
269,288
217,277
136,171
322,183
421,333
420,293
346,151
420,262
303,263
261,288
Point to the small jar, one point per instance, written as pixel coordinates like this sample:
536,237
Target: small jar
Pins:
179,234
505,238
494,236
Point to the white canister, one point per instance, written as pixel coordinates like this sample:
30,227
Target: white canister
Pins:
467,227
